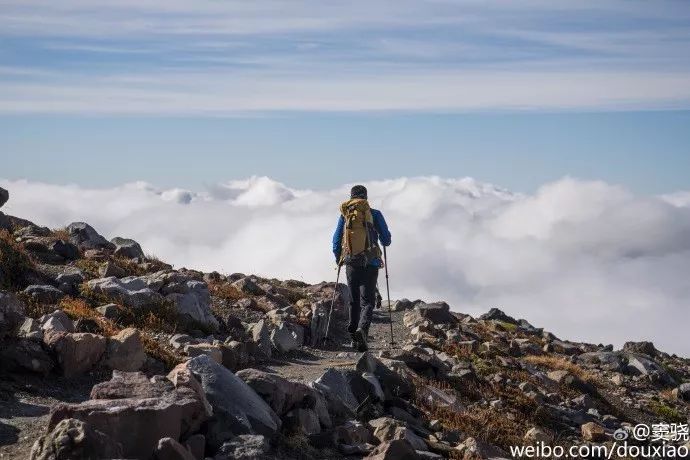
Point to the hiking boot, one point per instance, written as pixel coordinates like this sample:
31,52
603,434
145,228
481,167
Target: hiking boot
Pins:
361,339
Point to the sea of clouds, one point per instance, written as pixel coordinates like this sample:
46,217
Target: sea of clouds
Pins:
586,260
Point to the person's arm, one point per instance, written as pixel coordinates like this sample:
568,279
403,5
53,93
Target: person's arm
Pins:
337,238
382,228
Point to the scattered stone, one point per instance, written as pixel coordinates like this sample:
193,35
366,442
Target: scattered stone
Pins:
11,314
44,293
398,449
125,351
170,449
245,447
74,439
27,355
31,329
237,409
58,321
387,429
76,353
247,286
129,249
536,435
85,237
109,311
210,350
287,337
109,269
137,412
474,448
262,338
593,432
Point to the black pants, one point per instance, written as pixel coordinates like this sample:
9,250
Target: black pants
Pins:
362,284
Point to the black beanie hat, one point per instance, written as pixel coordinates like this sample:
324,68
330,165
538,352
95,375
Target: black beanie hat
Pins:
358,191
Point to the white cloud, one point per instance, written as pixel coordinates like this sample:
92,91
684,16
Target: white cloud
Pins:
587,260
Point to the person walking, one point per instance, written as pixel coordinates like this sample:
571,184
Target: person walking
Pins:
356,245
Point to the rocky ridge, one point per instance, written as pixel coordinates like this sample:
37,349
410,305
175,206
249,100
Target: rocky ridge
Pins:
106,352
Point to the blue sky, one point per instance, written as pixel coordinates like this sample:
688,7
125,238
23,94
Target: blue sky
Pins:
190,93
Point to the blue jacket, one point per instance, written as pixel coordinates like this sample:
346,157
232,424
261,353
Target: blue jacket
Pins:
381,233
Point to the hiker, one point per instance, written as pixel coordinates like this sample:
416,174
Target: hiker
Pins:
355,245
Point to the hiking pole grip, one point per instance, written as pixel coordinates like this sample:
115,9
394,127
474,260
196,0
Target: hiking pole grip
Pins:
388,295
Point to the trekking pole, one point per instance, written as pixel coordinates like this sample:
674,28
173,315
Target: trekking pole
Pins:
388,294
335,292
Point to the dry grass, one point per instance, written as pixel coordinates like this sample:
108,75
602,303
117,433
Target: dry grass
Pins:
14,262
79,309
225,291
60,234
559,363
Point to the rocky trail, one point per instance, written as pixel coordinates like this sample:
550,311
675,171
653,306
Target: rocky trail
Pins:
106,352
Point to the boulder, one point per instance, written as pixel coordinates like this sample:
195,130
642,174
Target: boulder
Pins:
398,449
109,269
170,449
44,293
305,421
353,433
11,314
287,337
208,349
4,196
248,286
31,329
129,249
57,321
237,409
125,351
262,338
284,395
109,311
334,384
496,314
593,432
472,448
535,435
26,355
132,291
387,429
69,281
435,313
393,384
683,392
76,353
85,237
73,439
319,322
645,348
245,447
137,412
642,365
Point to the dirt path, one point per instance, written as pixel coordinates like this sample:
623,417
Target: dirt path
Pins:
307,364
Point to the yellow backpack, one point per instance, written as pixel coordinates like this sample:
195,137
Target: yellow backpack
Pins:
357,248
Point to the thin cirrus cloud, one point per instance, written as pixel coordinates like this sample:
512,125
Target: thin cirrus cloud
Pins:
586,260
228,58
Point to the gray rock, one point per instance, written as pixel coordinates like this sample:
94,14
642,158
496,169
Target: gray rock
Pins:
496,314
31,329
72,439
125,351
133,292
645,348
605,360
435,313
127,248
109,269
44,293
237,409
319,322
76,353
11,314
262,338
398,449
247,286
335,386
644,366
170,449
393,384
25,355
245,447
4,196
109,311
57,321
683,392
387,429
287,337
137,412
401,305
85,237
